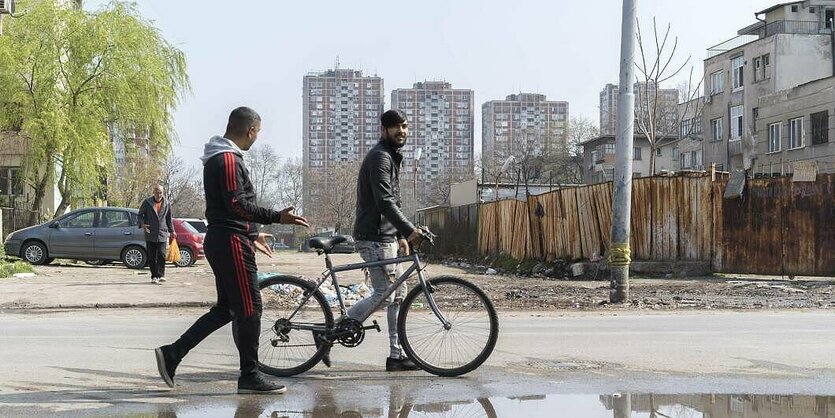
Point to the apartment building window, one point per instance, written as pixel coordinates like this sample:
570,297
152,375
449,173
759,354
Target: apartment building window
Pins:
716,127
675,153
10,183
609,148
820,127
636,153
774,131
736,122
685,127
762,67
737,66
717,82
795,133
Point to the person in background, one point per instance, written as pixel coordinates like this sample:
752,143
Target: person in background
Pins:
155,220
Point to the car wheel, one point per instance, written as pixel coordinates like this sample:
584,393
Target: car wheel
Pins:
34,252
134,257
186,257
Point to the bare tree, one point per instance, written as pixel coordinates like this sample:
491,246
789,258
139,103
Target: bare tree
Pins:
178,178
335,190
656,114
439,189
289,184
263,164
190,201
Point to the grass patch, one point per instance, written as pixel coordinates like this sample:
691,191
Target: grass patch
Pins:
506,262
8,269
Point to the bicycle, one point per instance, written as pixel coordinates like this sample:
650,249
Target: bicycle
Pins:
446,325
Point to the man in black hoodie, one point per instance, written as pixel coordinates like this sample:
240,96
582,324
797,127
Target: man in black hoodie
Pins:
230,247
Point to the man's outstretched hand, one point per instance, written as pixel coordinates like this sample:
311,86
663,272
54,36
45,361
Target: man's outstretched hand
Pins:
290,218
262,245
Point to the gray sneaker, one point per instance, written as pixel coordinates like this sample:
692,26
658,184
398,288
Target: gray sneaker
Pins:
259,383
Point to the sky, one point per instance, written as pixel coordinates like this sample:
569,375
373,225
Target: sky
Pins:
255,52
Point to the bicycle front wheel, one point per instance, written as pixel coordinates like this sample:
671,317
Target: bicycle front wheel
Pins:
294,313
459,348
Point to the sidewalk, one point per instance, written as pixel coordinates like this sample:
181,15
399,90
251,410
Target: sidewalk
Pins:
78,285
65,284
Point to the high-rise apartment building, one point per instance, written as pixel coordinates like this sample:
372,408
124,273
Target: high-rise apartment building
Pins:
661,106
341,122
524,123
441,126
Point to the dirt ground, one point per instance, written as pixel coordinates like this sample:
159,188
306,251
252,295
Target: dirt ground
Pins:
68,284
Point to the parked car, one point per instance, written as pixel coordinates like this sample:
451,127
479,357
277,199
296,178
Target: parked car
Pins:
199,224
345,247
91,234
190,242
280,246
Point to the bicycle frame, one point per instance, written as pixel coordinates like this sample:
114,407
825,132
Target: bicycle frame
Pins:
415,266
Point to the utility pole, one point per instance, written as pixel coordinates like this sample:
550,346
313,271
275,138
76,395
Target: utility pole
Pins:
620,256
622,405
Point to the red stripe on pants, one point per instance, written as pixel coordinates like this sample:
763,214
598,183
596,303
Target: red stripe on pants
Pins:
243,278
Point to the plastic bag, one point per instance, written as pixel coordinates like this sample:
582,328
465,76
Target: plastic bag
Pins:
173,252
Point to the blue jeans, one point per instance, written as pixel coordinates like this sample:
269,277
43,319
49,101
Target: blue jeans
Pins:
381,277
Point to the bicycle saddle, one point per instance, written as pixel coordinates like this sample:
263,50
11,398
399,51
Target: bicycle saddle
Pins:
326,244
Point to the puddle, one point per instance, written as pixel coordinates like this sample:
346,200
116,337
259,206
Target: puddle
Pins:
613,405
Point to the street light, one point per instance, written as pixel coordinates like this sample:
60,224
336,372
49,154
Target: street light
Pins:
418,154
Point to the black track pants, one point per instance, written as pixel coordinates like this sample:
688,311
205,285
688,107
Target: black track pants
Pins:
232,257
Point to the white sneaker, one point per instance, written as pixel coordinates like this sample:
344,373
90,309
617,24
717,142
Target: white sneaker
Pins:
154,280
161,279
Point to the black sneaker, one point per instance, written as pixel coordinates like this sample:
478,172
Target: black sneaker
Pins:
320,340
259,383
400,365
167,363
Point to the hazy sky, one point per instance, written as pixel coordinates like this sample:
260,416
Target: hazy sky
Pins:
255,53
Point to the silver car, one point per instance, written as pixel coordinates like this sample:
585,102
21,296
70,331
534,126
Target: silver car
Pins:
91,234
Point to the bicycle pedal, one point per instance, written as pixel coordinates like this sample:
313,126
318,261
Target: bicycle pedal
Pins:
374,325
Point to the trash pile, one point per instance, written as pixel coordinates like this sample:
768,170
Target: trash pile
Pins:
351,294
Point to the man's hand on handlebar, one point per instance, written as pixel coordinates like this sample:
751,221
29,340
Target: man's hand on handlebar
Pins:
421,234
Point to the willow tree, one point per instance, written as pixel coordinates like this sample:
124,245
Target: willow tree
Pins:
69,77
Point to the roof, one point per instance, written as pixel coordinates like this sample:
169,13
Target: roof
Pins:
777,6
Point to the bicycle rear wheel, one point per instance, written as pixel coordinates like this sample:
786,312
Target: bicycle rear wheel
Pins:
291,308
467,343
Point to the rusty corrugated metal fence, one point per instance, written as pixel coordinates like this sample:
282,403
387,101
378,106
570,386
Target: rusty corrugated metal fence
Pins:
778,227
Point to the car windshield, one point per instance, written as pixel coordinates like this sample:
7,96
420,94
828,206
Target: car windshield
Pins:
198,226
188,227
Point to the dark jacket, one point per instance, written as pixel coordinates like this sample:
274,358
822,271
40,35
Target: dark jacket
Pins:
160,224
378,197
230,196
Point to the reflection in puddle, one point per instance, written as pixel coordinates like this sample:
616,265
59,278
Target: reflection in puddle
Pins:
616,405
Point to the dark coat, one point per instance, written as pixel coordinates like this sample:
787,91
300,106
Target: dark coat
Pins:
160,223
378,197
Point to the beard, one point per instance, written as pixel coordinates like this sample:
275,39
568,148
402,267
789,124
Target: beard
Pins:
396,141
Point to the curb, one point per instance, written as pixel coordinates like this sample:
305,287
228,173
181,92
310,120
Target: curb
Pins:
109,306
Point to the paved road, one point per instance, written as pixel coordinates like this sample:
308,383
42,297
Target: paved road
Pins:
100,362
